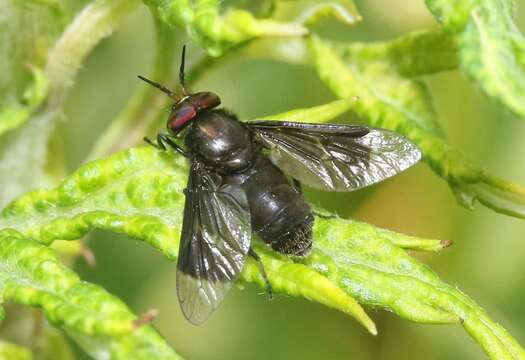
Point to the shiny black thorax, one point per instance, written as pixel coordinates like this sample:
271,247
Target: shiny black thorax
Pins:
279,213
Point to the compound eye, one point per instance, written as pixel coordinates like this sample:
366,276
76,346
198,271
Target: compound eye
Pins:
205,100
180,115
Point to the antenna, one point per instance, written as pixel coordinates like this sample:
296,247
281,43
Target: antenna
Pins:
181,71
162,88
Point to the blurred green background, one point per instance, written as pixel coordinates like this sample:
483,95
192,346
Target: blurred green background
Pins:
487,259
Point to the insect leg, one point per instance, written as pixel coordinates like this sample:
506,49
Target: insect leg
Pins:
256,257
162,140
167,138
324,216
159,145
297,185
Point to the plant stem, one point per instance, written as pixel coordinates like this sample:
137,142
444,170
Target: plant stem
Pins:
95,22
29,144
145,104
140,115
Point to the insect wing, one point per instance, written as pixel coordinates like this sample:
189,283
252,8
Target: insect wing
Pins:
216,235
335,157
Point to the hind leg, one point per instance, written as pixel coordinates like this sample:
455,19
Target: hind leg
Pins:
256,257
297,185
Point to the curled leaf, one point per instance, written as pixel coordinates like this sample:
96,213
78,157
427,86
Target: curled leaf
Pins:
309,12
216,31
144,105
14,115
29,144
297,280
500,195
491,50
139,192
32,275
390,101
319,113
418,53
369,267
453,15
491,47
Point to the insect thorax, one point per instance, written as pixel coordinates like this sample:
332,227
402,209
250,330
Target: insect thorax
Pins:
221,141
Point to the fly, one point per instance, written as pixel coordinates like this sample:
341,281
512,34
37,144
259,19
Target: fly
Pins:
245,177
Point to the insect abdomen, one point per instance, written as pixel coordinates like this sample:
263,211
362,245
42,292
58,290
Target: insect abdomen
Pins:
280,216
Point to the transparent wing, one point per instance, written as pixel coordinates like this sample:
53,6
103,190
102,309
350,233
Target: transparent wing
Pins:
216,234
335,157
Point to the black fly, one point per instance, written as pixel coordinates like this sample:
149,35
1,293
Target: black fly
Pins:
238,184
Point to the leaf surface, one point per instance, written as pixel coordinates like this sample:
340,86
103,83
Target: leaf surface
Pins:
139,192
491,47
388,100
31,274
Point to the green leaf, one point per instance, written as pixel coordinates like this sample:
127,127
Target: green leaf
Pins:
319,113
378,82
310,12
10,351
294,279
492,50
365,263
491,47
390,101
31,274
452,15
29,143
144,106
216,31
418,53
21,44
139,192
14,115
52,344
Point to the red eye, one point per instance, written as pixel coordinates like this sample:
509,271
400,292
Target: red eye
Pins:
205,100
183,113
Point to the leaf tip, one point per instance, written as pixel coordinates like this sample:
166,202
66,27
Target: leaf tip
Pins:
88,256
445,243
371,327
145,319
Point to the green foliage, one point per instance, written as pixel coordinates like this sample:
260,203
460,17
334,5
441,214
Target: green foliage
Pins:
33,276
216,31
389,100
9,351
364,262
430,52
30,144
139,191
490,47
14,115
140,105
310,12
51,344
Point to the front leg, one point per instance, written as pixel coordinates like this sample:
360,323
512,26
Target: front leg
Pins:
166,139
159,145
